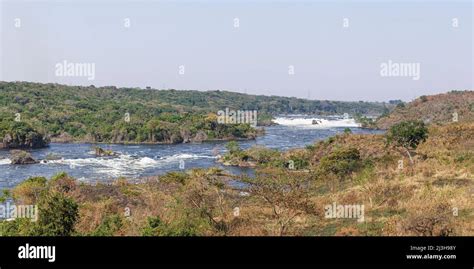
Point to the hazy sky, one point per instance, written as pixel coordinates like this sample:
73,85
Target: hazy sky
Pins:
273,38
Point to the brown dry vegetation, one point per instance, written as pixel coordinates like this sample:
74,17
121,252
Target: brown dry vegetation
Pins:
432,197
437,109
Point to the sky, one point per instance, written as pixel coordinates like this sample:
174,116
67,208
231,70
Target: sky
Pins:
327,50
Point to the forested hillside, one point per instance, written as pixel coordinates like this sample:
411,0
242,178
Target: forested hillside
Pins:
110,114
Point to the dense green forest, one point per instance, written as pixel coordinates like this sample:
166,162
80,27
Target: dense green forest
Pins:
110,114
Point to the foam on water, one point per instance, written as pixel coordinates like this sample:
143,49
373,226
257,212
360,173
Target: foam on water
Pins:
185,156
124,164
322,123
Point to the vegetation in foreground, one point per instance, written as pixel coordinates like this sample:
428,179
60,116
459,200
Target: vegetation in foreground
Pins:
431,195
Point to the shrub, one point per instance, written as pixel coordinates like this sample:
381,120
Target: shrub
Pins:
109,226
29,191
152,228
407,134
341,162
262,154
185,225
401,105
310,147
436,220
233,147
5,195
177,177
287,193
17,227
57,215
62,183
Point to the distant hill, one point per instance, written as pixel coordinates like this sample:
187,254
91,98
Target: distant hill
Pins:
433,109
78,113
185,100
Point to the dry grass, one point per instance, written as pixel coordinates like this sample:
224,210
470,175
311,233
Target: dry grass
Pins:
433,197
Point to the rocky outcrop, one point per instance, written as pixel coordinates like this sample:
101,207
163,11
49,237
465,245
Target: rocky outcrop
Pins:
51,157
21,157
63,138
174,139
186,135
100,152
31,140
199,137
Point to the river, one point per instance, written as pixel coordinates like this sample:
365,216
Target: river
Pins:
138,161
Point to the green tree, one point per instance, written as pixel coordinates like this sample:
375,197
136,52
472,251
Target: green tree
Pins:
341,162
407,134
22,135
57,215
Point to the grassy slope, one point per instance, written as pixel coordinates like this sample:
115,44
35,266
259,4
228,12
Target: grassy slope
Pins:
434,109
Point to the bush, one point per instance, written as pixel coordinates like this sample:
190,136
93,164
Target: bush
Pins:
30,190
17,227
341,162
401,105
185,225
175,177
109,226
5,195
408,134
61,182
233,148
57,215
310,147
262,155
153,226
434,220
288,195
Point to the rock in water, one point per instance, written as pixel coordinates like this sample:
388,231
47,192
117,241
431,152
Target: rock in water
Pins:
21,157
100,152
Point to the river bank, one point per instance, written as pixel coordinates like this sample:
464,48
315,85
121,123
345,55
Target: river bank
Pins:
141,160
